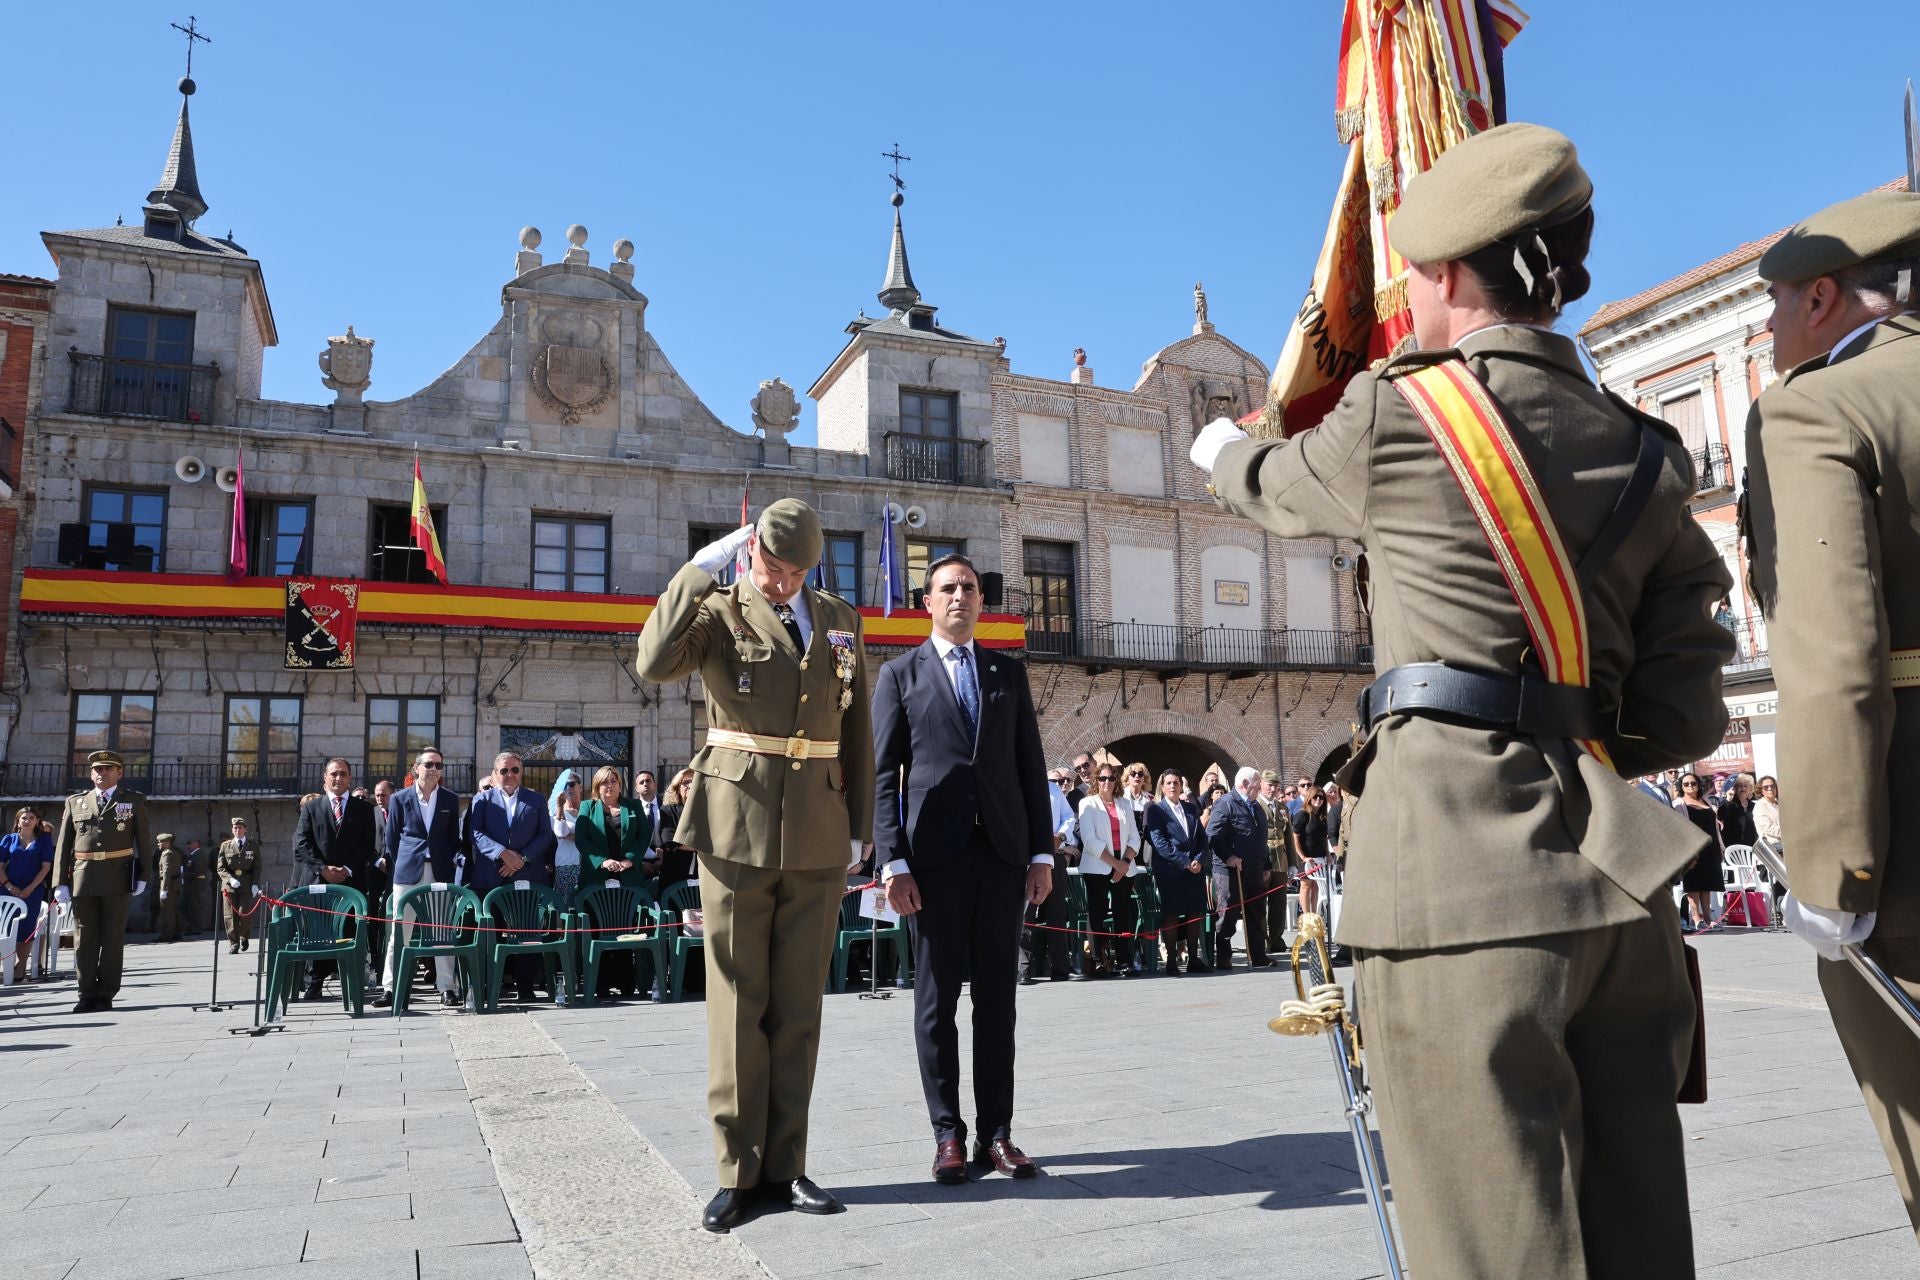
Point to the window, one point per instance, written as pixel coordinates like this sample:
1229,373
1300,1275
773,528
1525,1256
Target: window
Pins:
569,555
398,729
1687,415
929,413
922,552
1049,610
546,750
703,535
126,528
149,370
840,566
158,336
391,554
263,742
120,722
279,537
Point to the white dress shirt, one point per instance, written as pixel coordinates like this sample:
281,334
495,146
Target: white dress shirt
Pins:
427,799
802,614
1847,341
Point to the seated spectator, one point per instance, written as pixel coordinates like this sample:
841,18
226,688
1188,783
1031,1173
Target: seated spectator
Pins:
563,810
613,838
27,854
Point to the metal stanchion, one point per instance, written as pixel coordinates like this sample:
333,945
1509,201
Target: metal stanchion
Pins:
213,1004
261,966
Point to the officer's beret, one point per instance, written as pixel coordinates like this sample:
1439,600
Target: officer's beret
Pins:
1486,188
106,757
1879,224
790,531
237,822
164,835
1268,775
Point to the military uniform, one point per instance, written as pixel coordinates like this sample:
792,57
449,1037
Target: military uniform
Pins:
1835,564
172,885
772,811
100,856
236,868
1279,863
1522,987
197,900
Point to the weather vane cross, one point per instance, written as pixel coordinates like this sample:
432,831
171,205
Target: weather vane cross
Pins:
192,33
895,155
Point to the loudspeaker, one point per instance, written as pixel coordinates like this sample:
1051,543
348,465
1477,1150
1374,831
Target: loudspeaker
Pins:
120,547
73,543
992,587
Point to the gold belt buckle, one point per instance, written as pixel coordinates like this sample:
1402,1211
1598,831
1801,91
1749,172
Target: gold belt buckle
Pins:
796,748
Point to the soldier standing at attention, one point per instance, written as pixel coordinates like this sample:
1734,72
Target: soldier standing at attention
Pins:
782,803
1835,550
1525,1000
194,867
100,861
172,885
237,865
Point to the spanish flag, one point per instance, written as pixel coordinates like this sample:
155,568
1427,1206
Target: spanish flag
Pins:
423,535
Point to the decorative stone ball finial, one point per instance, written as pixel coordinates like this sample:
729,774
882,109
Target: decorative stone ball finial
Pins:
529,238
897,200
1079,357
577,236
187,86
623,250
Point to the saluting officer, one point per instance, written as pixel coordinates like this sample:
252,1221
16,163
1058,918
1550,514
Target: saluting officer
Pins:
100,861
1524,996
237,866
1833,458
782,802
172,884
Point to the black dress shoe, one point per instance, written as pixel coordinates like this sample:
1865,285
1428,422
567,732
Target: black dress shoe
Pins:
727,1209
382,1000
312,992
1029,981
448,1000
524,995
803,1195
1060,977
87,1004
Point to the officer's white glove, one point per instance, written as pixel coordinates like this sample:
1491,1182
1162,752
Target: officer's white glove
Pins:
859,854
233,882
63,896
256,891
163,895
716,556
140,887
1826,931
1213,437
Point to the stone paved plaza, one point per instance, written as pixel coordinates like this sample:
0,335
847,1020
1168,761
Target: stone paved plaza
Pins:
1179,1138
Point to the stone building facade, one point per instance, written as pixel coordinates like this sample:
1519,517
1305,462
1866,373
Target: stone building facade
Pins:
24,303
570,470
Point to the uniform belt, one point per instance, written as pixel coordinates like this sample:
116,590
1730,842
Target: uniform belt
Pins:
1904,667
1527,703
92,855
795,748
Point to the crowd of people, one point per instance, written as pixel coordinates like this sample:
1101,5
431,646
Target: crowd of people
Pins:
1729,809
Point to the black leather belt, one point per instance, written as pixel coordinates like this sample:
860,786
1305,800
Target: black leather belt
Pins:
1527,703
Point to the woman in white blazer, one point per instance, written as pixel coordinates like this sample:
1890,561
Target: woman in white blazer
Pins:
1109,843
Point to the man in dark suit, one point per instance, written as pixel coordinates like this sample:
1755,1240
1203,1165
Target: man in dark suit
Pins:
1046,945
955,728
423,838
1237,835
512,840
333,843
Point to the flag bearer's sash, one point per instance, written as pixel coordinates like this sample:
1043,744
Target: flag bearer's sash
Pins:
1478,445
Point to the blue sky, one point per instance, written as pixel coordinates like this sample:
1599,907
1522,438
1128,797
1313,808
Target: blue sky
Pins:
1076,167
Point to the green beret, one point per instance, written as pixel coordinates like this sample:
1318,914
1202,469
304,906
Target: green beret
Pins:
790,531
1486,188
106,757
1879,224
1268,775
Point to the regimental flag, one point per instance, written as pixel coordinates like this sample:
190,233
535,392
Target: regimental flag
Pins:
424,536
321,617
237,535
1415,77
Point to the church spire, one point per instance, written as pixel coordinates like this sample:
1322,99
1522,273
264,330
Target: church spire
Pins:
898,294
179,185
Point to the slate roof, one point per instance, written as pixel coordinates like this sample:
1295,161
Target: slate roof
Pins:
191,241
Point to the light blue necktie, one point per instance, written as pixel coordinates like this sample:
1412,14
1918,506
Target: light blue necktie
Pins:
968,688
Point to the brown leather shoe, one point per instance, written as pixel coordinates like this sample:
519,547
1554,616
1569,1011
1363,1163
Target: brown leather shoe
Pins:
950,1161
1007,1158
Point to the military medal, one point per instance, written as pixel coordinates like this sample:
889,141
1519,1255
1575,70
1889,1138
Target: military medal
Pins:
843,664
746,682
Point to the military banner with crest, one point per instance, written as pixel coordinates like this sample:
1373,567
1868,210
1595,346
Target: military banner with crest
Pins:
321,614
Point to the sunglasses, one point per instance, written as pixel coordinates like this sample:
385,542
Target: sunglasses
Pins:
507,771
431,764
1694,785
1105,777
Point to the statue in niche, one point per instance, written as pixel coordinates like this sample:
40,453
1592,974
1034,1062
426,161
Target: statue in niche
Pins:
776,410
346,366
1213,400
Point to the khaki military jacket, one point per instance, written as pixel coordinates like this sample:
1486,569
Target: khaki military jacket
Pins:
241,861
172,868
767,811
86,832
1833,520
1469,835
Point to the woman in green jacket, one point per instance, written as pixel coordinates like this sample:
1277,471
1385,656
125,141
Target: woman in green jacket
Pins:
613,841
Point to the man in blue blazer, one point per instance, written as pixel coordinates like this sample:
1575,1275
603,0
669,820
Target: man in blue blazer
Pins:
512,840
423,837
954,732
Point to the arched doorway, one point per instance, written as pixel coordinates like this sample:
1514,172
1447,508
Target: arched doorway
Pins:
1331,765
1159,751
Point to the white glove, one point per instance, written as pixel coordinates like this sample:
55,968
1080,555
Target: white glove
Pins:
256,891
163,895
233,882
140,887
63,896
1826,931
859,854
716,556
1213,437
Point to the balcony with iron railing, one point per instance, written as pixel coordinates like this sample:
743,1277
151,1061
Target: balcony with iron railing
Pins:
919,459
111,387
1161,646
1750,660
1712,471
174,780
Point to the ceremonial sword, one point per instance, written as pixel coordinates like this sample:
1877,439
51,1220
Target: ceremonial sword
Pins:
1877,978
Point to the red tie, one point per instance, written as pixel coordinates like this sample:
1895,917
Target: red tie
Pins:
338,804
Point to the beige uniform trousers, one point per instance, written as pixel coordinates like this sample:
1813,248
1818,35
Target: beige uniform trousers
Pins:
1526,1093
769,940
1884,1055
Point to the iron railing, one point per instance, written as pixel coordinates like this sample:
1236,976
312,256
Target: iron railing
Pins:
191,780
1712,470
113,387
1158,645
938,460
1750,654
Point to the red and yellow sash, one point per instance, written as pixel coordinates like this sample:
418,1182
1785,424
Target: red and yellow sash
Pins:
1478,445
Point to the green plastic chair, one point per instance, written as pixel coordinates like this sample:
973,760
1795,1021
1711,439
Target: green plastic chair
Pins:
1077,920
327,922
529,920
444,920
275,931
601,913
680,899
1147,945
855,927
